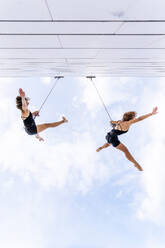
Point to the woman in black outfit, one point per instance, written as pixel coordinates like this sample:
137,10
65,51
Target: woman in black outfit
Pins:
31,128
121,127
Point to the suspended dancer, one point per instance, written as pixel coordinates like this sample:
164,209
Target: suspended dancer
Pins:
31,128
121,127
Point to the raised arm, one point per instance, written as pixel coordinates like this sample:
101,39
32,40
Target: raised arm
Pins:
140,118
24,104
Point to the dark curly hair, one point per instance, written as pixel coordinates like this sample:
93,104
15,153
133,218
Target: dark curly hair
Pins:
19,102
129,116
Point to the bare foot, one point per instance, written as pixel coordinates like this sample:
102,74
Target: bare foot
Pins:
98,149
64,119
138,167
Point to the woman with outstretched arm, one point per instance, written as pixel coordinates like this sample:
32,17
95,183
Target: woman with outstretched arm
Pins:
121,127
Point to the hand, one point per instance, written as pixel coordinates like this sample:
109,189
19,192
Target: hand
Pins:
154,111
21,92
113,123
36,113
41,139
64,119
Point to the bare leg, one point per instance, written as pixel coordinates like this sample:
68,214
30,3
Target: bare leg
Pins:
102,147
44,126
128,155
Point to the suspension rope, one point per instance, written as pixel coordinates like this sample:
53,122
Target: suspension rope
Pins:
101,99
54,85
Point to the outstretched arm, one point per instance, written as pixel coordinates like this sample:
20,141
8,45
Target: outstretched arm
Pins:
140,118
22,95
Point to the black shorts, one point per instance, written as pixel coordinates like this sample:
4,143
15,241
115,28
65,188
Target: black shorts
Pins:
31,130
112,138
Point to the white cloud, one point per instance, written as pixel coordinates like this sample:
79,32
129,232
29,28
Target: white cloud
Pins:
75,164
46,80
57,164
7,185
60,165
112,90
153,242
152,203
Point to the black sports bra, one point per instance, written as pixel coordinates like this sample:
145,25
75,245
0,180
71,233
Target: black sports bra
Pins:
117,131
29,121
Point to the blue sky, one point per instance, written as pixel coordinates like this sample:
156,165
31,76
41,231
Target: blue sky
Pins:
61,193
